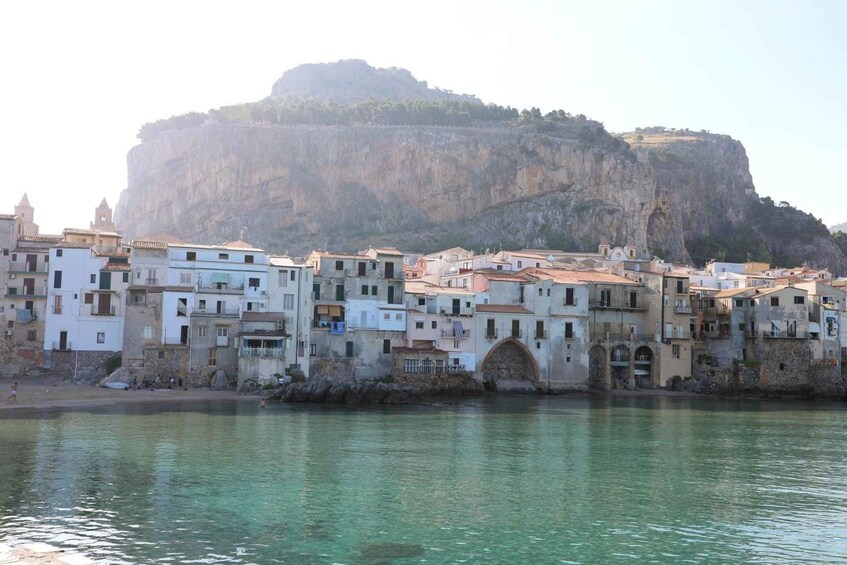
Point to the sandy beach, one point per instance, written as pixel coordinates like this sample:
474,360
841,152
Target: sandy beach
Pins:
42,394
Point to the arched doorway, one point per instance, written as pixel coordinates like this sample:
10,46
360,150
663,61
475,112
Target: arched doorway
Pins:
509,366
643,363
597,368
619,360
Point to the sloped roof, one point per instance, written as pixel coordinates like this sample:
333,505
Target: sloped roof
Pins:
729,293
586,276
120,267
137,244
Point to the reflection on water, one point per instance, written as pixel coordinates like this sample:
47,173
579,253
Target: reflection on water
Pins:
581,480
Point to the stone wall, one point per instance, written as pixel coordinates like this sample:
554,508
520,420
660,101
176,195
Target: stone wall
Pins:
82,366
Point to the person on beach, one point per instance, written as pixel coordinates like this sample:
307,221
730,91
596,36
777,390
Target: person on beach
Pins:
14,396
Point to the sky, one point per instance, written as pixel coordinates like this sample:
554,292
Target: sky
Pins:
77,79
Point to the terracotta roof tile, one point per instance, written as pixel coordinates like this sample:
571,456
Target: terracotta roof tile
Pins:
149,244
117,267
178,288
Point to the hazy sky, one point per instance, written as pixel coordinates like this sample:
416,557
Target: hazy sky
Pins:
79,78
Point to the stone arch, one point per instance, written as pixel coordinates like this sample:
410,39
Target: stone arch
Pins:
644,366
598,377
620,358
509,365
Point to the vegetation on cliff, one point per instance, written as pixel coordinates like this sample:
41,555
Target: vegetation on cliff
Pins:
773,233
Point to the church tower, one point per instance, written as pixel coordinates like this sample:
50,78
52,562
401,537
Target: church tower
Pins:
103,218
27,215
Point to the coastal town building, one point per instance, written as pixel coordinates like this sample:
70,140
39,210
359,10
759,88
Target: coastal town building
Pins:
359,313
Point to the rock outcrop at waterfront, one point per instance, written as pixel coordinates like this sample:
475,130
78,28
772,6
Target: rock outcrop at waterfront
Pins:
259,173
372,392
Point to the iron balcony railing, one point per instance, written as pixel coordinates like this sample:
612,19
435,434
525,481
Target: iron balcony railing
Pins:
26,291
452,334
541,334
264,352
95,310
779,334
28,267
151,281
682,309
490,334
617,304
223,289
58,346
214,312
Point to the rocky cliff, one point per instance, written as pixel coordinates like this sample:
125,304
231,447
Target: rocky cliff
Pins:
553,181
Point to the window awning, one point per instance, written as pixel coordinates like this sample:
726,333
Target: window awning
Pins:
335,310
220,278
322,309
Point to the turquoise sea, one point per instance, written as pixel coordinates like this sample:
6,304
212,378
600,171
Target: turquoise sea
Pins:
500,480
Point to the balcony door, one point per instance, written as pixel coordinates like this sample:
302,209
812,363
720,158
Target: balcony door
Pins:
104,304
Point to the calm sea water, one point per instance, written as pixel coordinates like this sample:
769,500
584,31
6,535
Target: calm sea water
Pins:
519,480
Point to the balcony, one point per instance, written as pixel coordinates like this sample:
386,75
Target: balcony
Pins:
222,289
57,346
461,312
516,334
433,369
151,281
216,313
541,335
678,335
25,267
262,352
95,310
451,334
621,336
778,334
572,303
682,309
491,334
26,292
716,335
616,305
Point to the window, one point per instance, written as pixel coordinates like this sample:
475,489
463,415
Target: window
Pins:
223,256
374,290
316,291
201,331
185,278
57,304
293,275
349,349
58,252
568,359
569,299
282,279
489,328
434,325
147,332
92,279
201,304
190,255
389,270
288,302
386,316
339,265
741,327
516,328
774,300
182,307
675,351
213,357
386,346
248,258
101,337
520,264
222,332
160,354
362,269
57,279
568,330
313,349
800,300
398,317
88,298
30,335
126,277
250,306
419,325
364,290
739,303
421,301
253,283
339,292
540,292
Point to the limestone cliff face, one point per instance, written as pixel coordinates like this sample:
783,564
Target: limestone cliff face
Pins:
296,188
704,183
